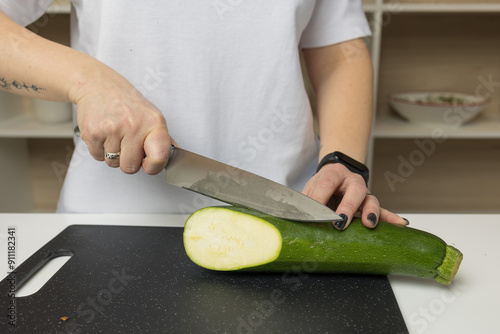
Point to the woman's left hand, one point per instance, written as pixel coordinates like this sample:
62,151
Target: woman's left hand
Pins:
346,193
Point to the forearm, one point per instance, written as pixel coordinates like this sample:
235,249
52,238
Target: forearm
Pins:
36,67
342,76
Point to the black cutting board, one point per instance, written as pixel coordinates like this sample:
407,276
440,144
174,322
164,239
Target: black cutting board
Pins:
128,279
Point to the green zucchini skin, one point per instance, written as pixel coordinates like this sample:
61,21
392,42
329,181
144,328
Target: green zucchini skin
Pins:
387,249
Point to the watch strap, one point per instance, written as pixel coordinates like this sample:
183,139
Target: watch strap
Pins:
350,163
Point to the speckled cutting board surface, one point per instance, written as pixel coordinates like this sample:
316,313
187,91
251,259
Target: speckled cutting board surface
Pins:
127,279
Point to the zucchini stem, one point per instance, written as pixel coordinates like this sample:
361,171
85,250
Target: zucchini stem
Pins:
448,269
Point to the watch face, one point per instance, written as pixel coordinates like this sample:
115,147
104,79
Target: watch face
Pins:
350,163
356,164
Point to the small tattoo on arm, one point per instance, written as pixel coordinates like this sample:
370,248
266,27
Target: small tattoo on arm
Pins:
8,85
4,84
17,84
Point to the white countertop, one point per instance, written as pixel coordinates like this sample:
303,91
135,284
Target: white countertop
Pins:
471,304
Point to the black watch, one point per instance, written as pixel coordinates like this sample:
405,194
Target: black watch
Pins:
351,164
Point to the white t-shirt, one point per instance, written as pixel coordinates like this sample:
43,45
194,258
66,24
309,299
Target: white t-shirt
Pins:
225,74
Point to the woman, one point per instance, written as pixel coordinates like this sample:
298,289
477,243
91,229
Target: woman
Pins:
224,75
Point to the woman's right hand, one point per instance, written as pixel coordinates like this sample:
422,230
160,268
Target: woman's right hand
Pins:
114,117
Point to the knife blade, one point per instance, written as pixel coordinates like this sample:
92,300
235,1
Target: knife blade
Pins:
235,186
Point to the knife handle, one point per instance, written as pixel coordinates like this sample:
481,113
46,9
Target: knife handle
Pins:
76,131
172,150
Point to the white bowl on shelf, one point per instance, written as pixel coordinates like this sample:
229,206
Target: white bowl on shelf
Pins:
52,112
438,107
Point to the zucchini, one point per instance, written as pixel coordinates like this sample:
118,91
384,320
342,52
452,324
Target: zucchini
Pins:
233,238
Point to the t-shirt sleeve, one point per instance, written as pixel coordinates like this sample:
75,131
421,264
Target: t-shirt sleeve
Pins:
335,21
24,12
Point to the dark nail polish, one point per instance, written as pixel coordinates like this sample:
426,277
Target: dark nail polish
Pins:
407,221
372,218
341,224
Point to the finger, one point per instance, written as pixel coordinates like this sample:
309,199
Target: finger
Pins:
111,151
390,217
322,186
95,144
353,198
370,211
157,149
131,155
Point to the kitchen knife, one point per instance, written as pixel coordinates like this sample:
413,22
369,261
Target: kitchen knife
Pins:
238,187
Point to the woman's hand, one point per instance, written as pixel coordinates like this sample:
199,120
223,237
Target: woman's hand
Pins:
346,193
114,117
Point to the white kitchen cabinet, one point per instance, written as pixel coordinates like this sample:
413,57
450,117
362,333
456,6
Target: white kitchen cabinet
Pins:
416,45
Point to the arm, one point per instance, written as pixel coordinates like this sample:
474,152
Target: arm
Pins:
112,114
342,76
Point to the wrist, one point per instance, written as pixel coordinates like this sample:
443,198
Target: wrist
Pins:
80,81
348,162
89,75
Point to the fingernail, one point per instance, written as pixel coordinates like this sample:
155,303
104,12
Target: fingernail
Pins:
341,224
407,221
372,218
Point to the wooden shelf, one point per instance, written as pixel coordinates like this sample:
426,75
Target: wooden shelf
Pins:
26,126
441,8
388,126
64,7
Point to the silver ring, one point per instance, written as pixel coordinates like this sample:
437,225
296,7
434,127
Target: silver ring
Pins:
111,156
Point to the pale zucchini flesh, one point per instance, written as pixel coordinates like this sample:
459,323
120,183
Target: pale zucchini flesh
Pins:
230,240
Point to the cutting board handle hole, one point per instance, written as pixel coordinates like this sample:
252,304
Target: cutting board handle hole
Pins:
42,273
